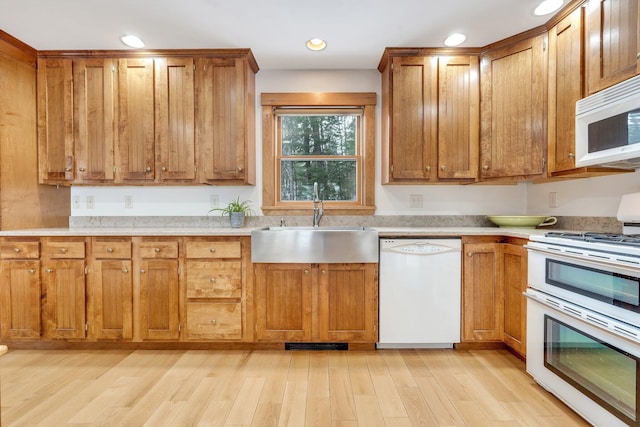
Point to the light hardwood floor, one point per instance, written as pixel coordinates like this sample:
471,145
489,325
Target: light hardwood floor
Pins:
273,388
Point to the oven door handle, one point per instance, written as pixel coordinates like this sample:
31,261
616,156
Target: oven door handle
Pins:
604,261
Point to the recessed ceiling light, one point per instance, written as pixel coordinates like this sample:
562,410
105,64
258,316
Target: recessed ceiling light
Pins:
316,44
132,41
547,7
455,39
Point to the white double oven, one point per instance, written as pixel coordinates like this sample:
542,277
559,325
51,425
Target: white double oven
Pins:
583,323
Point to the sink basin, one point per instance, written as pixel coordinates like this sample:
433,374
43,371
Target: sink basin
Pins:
314,245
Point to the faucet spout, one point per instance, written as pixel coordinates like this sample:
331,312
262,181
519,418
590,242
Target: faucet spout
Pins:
318,206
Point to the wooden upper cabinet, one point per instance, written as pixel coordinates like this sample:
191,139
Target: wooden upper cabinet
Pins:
565,88
433,129
55,121
174,119
94,119
458,117
513,87
225,120
611,41
136,123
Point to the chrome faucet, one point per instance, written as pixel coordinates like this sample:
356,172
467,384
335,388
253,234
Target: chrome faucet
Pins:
318,211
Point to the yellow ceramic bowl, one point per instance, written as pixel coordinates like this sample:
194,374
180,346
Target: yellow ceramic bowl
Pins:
522,221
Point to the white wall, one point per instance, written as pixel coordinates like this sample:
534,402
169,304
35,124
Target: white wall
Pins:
590,197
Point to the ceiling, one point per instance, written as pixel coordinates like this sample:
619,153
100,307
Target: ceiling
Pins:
356,31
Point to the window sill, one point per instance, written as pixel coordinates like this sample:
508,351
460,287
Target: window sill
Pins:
286,210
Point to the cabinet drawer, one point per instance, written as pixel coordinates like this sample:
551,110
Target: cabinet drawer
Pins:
213,249
63,249
19,250
211,321
111,249
214,279
158,250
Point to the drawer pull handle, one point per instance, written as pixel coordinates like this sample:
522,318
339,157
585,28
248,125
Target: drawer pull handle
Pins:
49,270
110,250
124,270
213,321
156,249
16,250
212,280
31,270
212,250
63,250
142,270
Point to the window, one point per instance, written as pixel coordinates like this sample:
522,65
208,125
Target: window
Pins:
326,138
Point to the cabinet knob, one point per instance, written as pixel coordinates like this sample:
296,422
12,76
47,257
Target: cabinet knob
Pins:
571,156
324,271
124,270
142,270
67,169
240,169
428,168
469,254
156,249
306,271
212,279
443,167
638,55
212,250
81,169
16,250
63,250
49,270
485,167
164,169
110,250
31,270
213,321
148,169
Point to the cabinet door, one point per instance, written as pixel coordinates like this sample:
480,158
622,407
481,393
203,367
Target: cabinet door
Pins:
513,85
64,307
611,42
565,88
136,120
94,95
283,302
225,120
111,285
20,299
482,297
458,117
174,119
159,300
55,121
348,302
514,267
414,119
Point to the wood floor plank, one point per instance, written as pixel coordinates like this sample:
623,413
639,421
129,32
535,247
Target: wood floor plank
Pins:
273,388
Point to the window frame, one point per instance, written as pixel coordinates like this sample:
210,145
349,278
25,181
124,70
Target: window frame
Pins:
365,199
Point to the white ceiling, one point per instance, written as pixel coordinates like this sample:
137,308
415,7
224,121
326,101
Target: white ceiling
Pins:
356,31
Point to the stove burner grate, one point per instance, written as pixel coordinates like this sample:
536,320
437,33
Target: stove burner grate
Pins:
610,238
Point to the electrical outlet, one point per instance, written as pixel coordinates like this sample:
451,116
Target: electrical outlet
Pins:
415,200
128,202
214,201
91,202
76,202
553,199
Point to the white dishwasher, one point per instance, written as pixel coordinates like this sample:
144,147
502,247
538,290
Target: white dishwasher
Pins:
420,293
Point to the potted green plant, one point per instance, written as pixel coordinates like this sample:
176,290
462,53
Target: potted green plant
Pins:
237,211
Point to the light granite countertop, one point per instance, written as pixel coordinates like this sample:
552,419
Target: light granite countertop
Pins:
246,231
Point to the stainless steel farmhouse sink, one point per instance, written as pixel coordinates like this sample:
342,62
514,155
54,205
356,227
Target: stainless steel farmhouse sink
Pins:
314,245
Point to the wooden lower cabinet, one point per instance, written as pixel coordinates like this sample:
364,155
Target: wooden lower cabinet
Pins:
63,284
514,273
111,285
20,289
482,295
316,302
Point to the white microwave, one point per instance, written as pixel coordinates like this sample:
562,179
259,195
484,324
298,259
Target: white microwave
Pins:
608,127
